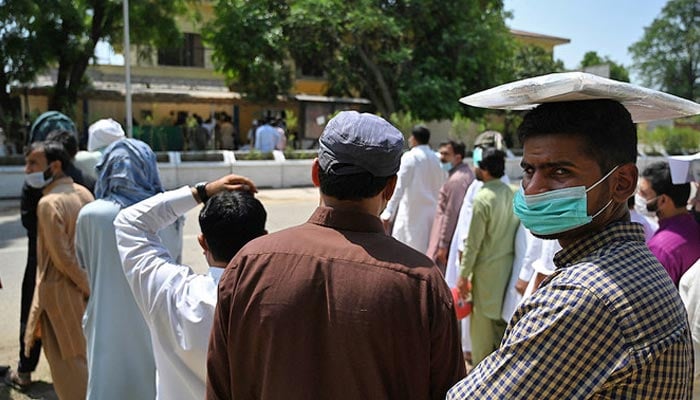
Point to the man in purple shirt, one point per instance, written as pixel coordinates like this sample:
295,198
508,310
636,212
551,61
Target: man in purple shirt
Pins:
677,242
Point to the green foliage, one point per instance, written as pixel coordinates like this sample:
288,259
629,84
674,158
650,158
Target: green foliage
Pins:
531,60
617,71
672,140
292,121
466,129
668,55
418,56
404,121
253,155
65,33
250,46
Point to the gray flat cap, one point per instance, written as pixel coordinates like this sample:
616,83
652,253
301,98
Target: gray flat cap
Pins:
353,143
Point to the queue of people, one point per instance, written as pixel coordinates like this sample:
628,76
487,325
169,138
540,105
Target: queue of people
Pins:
570,299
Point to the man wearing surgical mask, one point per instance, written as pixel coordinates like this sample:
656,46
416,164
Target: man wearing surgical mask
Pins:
61,285
608,322
449,201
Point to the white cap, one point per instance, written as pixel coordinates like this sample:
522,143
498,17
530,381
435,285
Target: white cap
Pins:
103,133
684,168
643,104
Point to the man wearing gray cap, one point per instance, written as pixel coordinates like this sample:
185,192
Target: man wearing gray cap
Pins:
335,308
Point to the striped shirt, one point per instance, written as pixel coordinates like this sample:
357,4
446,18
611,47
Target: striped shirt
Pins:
607,324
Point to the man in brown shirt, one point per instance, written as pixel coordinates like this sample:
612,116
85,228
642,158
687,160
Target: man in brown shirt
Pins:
62,287
335,308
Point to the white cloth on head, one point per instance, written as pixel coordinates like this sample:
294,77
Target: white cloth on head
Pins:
412,207
177,303
103,133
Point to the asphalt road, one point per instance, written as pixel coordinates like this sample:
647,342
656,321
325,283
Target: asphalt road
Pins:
285,208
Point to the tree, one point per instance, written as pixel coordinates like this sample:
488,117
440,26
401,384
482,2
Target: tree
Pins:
617,71
531,60
65,33
668,55
418,56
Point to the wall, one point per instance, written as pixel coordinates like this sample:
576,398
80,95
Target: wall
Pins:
266,174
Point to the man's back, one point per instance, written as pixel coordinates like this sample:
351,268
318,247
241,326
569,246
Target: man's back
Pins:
415,199
117,335
336,309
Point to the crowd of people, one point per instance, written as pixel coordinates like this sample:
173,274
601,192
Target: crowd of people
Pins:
570,298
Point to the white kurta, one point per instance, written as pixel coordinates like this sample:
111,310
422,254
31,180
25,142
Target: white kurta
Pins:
689,288
412,207
116,334
177,303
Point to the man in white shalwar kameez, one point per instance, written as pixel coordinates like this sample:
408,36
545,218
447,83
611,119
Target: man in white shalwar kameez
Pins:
412,208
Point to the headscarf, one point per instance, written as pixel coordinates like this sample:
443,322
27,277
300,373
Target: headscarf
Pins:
128,173
48,122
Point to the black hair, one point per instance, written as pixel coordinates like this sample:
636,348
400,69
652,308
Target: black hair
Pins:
229,220
493,161
605,126
351,187
421,133
659,176
52,151
67,139
457,147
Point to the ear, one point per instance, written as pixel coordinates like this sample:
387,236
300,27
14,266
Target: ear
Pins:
624,183
55,166
202,242
389,188
314,173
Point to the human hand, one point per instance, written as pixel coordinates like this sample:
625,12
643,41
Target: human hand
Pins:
226,183
465,287
229,183
441,256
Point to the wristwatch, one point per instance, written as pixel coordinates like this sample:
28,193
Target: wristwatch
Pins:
202,191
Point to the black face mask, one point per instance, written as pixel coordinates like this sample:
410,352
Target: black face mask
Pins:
653,205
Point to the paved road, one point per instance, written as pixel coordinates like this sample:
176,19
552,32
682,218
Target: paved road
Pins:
285,208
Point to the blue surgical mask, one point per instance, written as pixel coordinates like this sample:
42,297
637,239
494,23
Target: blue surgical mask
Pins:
38,180
446,166
556,211
476,156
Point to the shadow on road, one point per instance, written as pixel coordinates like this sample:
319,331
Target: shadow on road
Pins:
38,390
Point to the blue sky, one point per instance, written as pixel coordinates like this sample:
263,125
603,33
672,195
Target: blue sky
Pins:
608,27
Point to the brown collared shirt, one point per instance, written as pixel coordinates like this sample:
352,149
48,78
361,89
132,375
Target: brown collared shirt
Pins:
333,309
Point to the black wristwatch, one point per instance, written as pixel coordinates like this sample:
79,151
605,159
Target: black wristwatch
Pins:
202,191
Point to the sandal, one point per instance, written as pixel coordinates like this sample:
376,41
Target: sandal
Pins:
19,380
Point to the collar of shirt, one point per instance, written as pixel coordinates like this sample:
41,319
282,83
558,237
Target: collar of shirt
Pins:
617,231
215,273
346,220
493,183
64,180
458,167
676,220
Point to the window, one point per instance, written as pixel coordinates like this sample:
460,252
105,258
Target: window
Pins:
190,53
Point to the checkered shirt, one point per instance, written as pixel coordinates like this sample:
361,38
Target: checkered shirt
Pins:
607,324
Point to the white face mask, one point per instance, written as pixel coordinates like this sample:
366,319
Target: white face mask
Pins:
38,180
640,206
